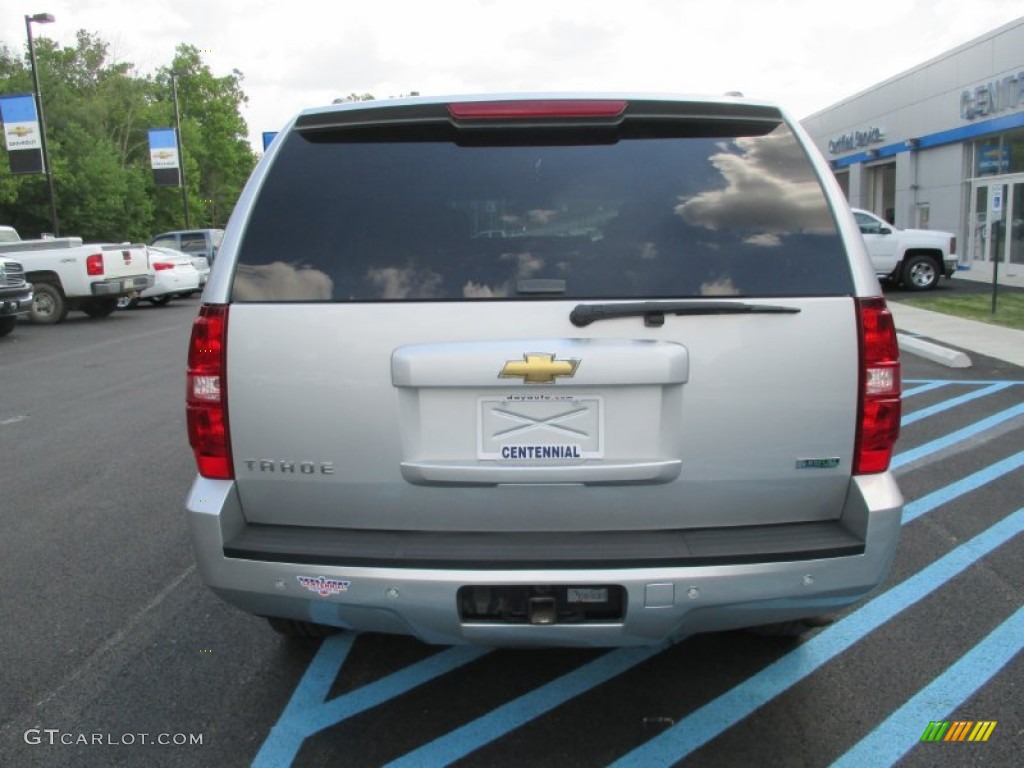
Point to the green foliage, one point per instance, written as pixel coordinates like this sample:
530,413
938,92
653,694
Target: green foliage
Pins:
977,306
98,114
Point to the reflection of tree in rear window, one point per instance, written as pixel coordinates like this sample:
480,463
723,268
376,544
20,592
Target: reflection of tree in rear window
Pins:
193,243
640,218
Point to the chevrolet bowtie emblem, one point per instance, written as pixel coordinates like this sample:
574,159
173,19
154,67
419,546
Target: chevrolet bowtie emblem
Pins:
538,369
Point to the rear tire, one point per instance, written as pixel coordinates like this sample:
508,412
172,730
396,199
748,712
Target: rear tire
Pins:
303,630
7,324
100,307
49,306
159,301
920,273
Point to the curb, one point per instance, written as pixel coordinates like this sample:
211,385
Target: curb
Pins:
951,358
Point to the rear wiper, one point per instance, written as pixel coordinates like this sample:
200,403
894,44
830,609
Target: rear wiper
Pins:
654,312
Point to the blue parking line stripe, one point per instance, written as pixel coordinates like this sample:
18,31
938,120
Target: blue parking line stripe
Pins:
918,507
712,719
966,433
308,712
947,405
901,731
925,388
498,722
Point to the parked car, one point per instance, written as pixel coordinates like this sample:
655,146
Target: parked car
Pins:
666,406
913,258
15,293
67,274
173,275
202,242
199,262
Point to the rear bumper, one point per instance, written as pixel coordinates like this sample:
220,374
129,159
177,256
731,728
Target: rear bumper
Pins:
122,286
662,602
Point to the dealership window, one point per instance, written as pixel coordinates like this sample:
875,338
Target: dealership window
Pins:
1000,153
844,182
882,190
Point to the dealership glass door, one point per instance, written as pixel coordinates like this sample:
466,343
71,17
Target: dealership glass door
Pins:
997,221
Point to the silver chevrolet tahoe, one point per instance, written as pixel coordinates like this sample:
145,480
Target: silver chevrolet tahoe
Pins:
590,370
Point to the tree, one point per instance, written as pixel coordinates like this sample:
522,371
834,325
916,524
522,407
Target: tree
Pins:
213,134
98,114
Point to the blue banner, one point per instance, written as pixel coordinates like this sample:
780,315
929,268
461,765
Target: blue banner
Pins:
163,157
22,135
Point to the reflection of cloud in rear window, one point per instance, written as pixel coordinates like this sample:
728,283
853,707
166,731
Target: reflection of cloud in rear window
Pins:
765,240
473,290
406,283
721,287
769,187
279,281
527,265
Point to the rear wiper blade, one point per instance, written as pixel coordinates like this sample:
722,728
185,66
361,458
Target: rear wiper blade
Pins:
654,312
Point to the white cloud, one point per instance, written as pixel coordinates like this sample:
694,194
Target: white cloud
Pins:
805,54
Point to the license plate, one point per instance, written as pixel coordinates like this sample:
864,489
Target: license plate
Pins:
575,595
540,428
129,283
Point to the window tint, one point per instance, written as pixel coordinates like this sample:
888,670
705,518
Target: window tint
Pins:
640,218
193,241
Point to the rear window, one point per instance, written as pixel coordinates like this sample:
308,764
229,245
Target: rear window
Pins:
193,241
346,219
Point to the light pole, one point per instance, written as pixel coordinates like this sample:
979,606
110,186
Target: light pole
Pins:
42,18
181,155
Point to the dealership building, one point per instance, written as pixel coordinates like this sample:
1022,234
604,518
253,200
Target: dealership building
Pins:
941,146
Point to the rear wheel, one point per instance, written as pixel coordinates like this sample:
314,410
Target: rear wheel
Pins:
49,306
100,307
159,301
920,273
304,630
7,324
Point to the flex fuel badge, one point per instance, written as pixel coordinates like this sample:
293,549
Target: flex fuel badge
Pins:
323,586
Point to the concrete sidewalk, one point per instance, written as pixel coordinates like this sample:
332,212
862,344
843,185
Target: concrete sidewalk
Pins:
1005,344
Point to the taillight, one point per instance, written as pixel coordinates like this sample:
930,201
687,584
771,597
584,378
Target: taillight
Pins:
536,108
206,398
159,266
878,420
94,264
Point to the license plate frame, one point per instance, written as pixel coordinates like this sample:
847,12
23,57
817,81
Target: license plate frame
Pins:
540,428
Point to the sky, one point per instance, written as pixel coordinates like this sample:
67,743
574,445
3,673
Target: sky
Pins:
803,54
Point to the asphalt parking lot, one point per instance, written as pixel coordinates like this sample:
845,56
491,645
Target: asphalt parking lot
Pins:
113,652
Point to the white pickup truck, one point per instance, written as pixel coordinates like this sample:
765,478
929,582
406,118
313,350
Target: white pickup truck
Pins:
69,275
914,258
